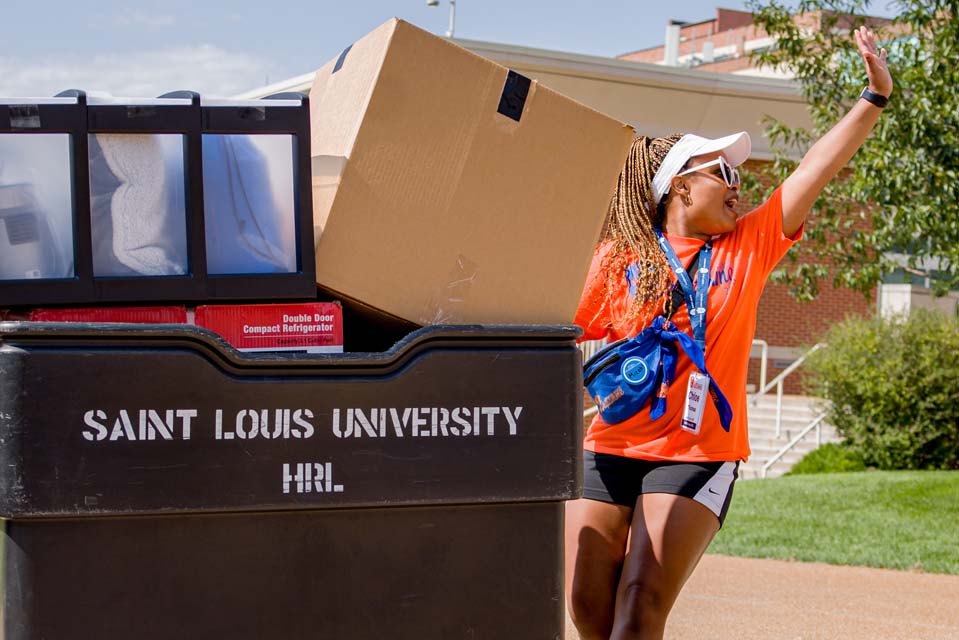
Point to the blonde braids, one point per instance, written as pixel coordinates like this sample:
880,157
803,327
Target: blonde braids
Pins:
633,213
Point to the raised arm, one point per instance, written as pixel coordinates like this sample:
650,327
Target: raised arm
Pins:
832,151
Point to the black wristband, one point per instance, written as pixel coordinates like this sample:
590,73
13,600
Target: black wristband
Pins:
873,97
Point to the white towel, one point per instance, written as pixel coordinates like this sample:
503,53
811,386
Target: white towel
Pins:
145,208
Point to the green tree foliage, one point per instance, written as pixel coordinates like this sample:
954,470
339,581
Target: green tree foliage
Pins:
900,194
893,389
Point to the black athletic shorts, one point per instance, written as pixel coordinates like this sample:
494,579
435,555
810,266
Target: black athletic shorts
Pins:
622,480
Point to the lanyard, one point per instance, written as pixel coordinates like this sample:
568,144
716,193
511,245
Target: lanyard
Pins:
696,298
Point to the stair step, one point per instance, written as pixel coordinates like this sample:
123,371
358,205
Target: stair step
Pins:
758,433
771,402
797,413
787,423
761,447
788,412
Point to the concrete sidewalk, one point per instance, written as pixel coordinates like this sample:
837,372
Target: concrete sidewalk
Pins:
751,599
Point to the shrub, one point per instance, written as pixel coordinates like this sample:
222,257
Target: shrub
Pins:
829,458
893,388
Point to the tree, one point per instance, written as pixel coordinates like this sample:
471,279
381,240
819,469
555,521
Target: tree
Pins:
897,205
891,385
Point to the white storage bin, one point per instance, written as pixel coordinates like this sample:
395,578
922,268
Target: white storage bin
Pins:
248,203
36,207
138,204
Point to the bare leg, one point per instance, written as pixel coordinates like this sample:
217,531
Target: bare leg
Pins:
668,536
596,534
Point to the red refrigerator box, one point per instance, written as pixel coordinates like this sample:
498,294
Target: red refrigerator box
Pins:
158,315
315,327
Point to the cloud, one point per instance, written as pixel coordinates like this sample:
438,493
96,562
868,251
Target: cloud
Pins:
205,68
131,18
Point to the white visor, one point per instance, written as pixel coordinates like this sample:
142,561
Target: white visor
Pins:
736,146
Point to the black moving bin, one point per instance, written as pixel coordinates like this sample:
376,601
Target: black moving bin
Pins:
156,484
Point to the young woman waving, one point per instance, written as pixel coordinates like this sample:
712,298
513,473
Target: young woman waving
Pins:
656,490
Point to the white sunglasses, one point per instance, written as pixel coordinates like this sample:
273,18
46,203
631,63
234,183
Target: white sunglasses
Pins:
728,172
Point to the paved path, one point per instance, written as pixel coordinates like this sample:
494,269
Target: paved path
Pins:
751,599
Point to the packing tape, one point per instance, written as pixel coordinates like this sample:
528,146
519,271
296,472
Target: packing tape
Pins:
24,116
339,61
447,301
514,95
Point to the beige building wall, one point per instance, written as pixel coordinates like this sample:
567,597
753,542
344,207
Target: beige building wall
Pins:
656,100
900,299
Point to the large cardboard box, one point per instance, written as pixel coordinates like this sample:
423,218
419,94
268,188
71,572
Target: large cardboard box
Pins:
449,189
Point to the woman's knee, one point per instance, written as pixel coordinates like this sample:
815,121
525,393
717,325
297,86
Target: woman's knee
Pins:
644,605
592,623
592,619
595,545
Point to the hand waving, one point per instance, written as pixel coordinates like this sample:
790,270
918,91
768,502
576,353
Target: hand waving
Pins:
880,80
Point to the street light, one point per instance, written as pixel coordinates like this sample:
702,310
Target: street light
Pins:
436,3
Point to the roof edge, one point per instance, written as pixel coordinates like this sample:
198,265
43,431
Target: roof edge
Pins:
568,63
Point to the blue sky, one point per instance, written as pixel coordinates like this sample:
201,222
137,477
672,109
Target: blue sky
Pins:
218,48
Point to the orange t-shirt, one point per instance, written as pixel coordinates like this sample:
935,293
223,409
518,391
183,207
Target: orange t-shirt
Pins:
741,263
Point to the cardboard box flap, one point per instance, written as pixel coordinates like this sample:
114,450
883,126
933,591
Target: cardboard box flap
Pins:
409,154
338,99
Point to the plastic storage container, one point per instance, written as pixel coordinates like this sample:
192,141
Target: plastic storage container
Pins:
176,198
42,143
416,493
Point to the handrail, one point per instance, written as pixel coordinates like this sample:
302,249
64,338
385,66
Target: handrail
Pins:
777,382
754,398
590,347
815,424
763,359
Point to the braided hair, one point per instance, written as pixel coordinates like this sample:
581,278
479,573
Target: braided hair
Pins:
633,213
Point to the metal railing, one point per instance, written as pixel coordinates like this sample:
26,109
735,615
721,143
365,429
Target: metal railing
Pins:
763,358
590,347
777,383
815,424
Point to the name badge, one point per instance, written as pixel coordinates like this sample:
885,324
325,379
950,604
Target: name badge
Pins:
696,392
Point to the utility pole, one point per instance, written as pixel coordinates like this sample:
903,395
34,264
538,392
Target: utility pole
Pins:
436,3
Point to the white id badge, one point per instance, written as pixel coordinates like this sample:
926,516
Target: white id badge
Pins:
696,393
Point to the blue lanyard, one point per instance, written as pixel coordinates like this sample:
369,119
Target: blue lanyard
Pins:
696,298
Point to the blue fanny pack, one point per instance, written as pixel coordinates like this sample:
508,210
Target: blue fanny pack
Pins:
626,375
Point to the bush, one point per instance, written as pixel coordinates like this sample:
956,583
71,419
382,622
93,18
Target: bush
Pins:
829,458
893,387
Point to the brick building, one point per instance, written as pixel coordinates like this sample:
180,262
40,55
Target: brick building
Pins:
723,44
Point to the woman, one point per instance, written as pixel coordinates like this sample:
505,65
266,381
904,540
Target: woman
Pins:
657,491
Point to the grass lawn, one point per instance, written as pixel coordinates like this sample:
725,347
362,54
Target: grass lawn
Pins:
887,519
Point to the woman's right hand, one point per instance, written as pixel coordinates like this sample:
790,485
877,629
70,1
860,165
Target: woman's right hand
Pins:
880,80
